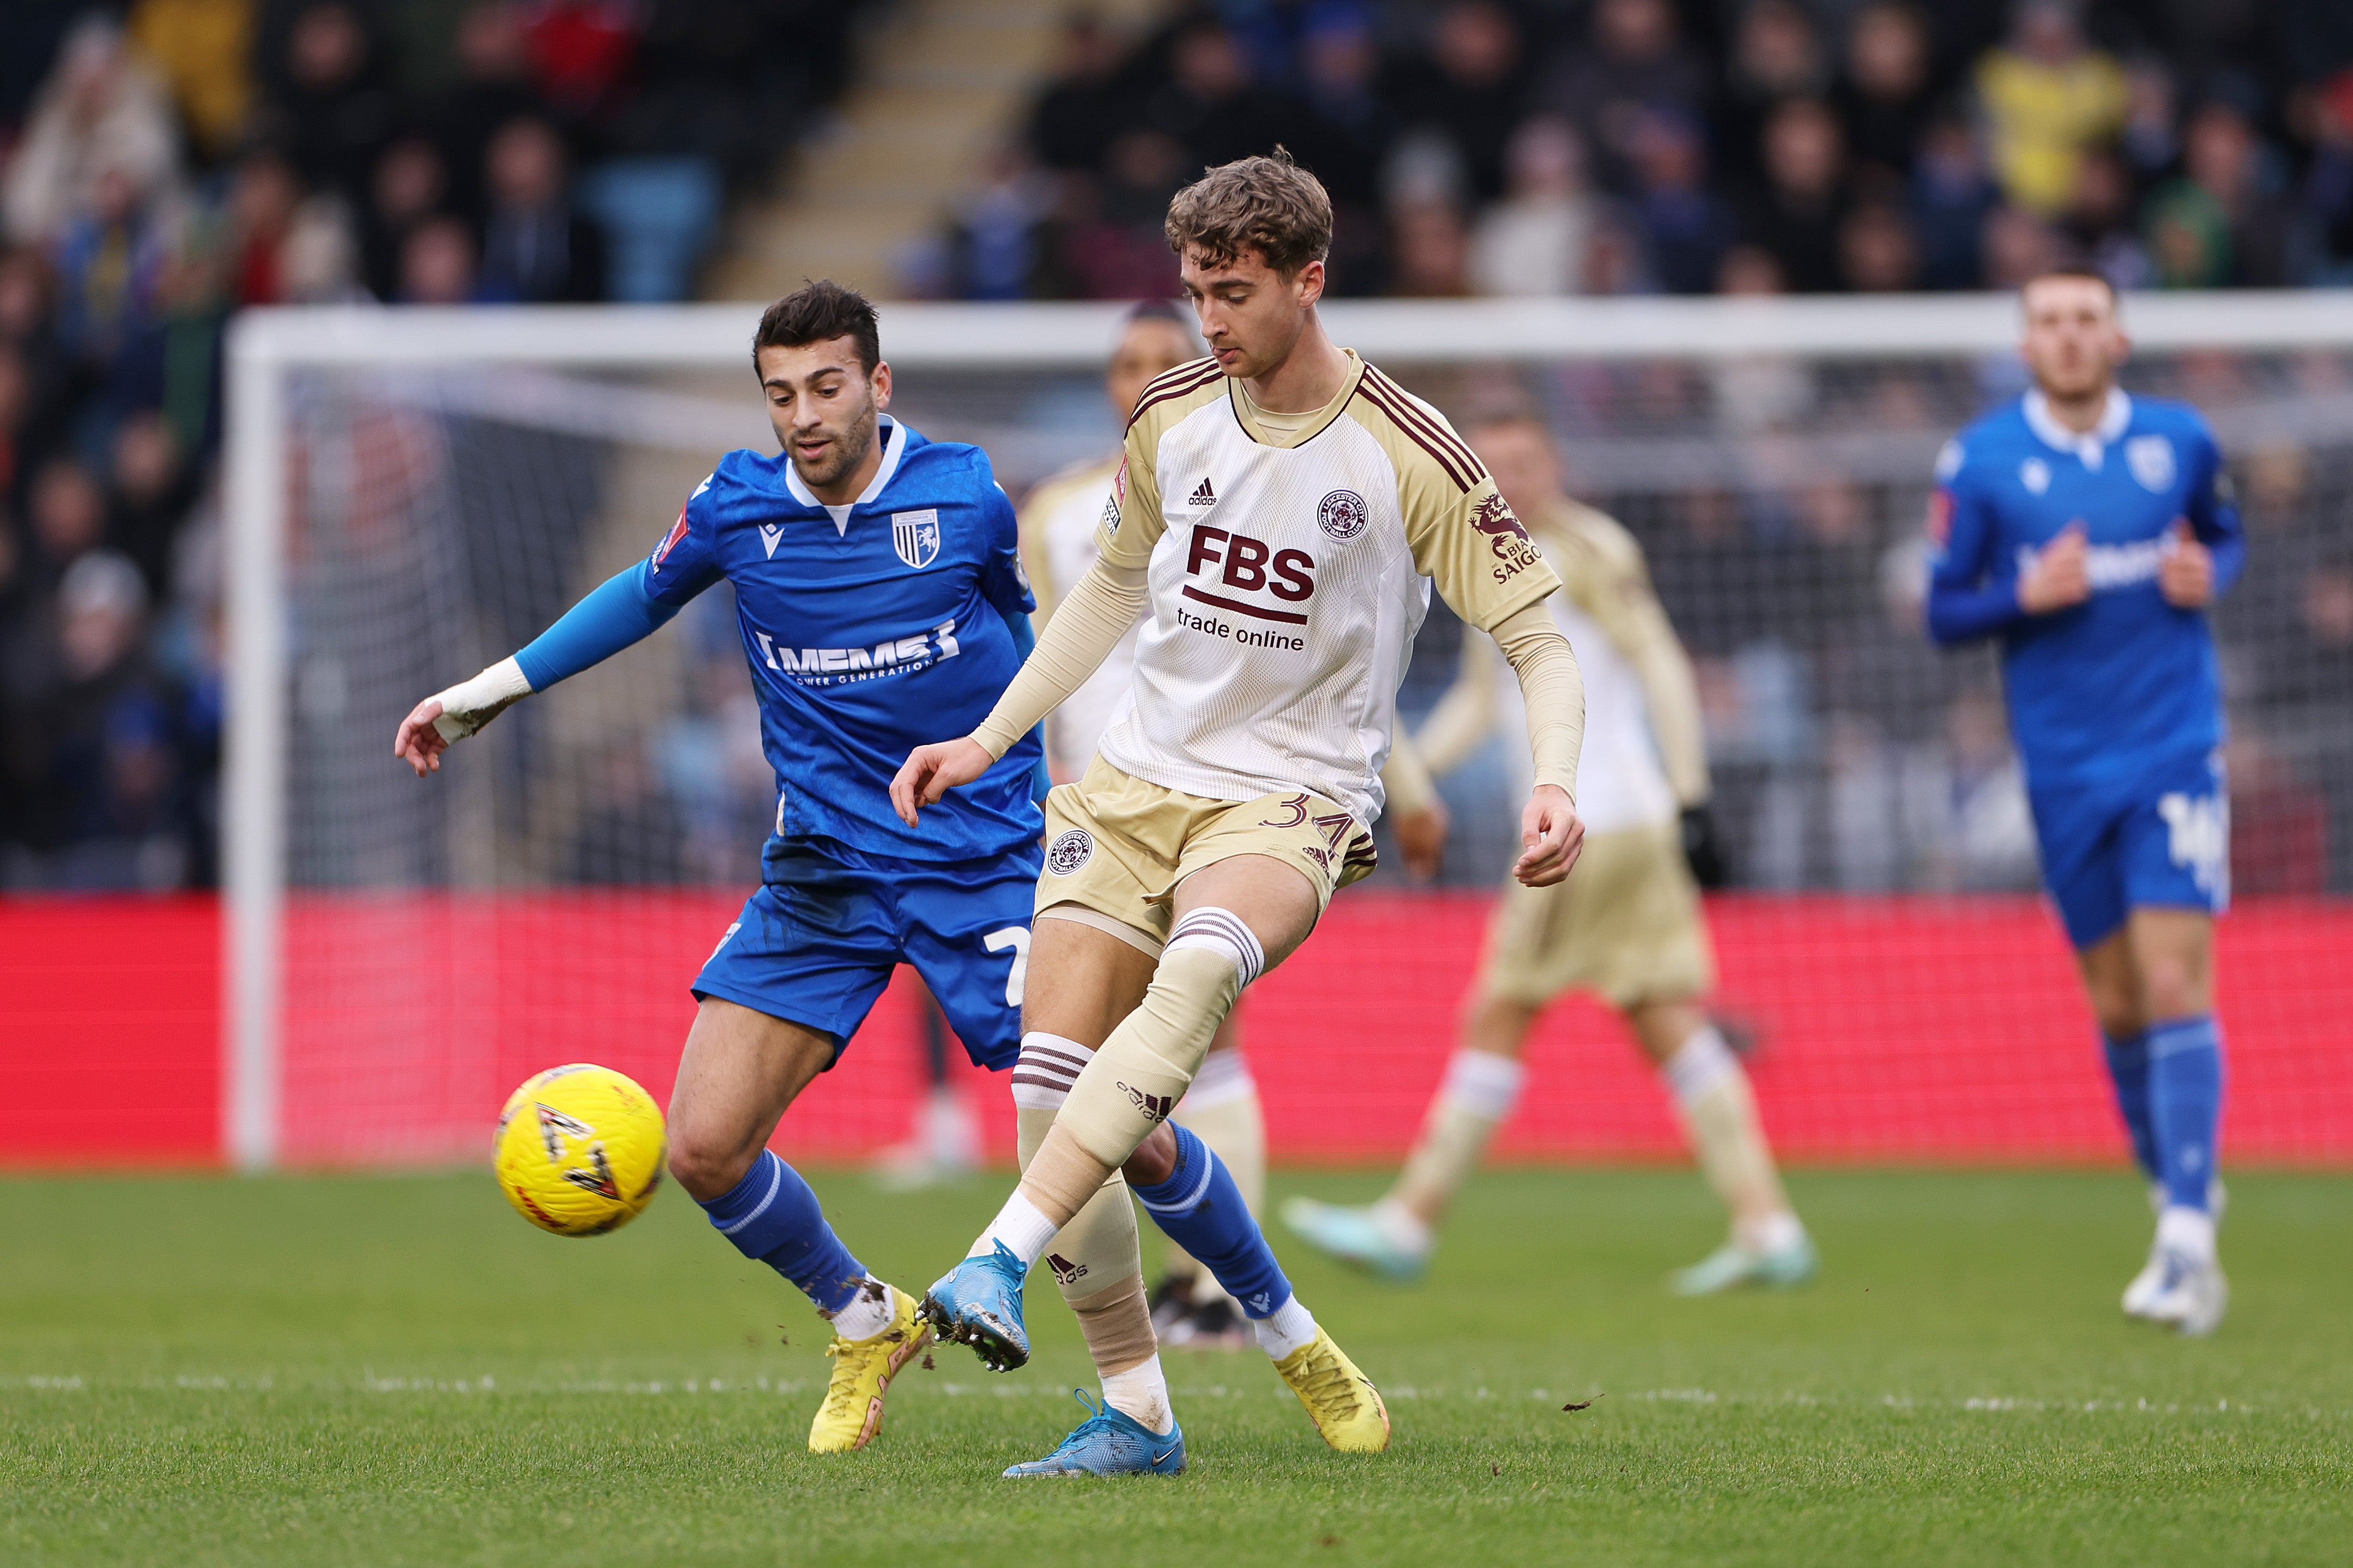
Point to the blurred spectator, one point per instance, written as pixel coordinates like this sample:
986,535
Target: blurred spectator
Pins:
1882,91
1115,246
410,185
150,493
1877,254
993,244
1432,251
1081,107
2217,226
1775,56
580,52
204,51
16,415
536,246
2014,246
337,110
1795,216
1686,225
1468,89
67,512
100,135
1964,805
1210,105
494,88
1536,240
437,264
109,260
2151,141
1633,62
1951,193
2099,221
2047,95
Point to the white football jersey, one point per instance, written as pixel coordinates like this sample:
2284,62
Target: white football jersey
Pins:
1058,545
1288,570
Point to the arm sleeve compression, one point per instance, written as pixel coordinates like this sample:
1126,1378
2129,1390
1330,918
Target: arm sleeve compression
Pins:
1461,723
1086,626
1553,690
617,613
1025,642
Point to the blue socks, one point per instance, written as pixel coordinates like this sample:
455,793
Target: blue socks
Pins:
2129,1071
772,1216
1202,1211
2185,1105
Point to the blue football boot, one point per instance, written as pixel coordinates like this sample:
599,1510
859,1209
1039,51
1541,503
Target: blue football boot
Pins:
1110,1443
978,1303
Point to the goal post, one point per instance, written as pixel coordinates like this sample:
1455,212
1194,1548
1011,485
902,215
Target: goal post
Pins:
366,446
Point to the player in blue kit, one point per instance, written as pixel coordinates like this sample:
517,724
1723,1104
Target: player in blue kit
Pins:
2089,531
880,593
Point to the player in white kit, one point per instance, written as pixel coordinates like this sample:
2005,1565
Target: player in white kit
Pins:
1059,519
1627,926
1281,509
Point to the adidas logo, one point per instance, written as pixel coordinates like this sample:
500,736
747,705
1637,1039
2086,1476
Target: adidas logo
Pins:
1155,1107
1203,496
1065,1271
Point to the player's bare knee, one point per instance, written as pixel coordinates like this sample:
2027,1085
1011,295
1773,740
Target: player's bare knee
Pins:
2172,987
708,1167
1154,1160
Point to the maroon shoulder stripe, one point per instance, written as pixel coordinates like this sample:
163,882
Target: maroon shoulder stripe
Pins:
1435,427
1413,434
1460,465
1163,390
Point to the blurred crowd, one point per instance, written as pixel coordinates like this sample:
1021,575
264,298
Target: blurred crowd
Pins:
166,163
1551,147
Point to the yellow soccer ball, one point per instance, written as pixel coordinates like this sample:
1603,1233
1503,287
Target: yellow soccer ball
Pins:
579,1150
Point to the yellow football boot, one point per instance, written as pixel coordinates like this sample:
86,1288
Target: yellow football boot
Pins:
862,1370
1342,1401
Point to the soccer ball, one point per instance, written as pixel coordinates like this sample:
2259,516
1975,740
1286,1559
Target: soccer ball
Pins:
579,1150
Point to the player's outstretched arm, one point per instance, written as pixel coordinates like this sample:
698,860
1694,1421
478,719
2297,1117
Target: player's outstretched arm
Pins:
619,612
1550,833
1098,612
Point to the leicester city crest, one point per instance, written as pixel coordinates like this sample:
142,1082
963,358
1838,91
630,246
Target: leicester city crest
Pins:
915,535
2150,458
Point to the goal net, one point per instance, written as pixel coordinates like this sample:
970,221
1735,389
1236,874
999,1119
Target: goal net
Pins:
414,494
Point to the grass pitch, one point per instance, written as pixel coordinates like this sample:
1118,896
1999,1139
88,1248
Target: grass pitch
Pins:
395,1371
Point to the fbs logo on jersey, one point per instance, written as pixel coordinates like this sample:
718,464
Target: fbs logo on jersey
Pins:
915,535
1514,552
1202,495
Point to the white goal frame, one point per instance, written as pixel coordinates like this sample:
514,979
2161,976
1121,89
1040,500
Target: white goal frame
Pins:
265,346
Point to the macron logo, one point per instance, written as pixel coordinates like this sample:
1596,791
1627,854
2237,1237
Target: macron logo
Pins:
771,536
1203,496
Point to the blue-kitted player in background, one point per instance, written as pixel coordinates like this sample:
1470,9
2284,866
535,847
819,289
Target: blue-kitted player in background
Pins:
880,596
2089,531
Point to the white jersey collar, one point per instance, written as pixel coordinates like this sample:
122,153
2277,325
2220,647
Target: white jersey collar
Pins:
894,447
2091,447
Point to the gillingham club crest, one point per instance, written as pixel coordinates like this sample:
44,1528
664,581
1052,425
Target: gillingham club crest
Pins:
915,535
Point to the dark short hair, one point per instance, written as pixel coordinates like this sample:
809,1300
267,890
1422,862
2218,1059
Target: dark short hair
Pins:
819,313
1269,205
2071,269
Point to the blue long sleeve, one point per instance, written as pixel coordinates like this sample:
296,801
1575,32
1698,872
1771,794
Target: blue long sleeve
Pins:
617,613
1957,614
1025,639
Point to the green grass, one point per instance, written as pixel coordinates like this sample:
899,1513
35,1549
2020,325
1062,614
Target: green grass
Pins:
392,1371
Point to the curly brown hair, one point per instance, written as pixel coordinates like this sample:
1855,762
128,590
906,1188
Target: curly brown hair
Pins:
1269,205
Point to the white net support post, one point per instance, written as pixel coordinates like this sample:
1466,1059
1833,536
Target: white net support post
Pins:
324,402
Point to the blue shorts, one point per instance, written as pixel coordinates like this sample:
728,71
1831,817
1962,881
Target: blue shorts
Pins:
816,945
2161,841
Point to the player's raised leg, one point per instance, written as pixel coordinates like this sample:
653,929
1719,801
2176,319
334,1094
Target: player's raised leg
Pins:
740,1072
1094,1257
1190,1309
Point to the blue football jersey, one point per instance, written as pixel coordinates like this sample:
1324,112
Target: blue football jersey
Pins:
871,628
2105,689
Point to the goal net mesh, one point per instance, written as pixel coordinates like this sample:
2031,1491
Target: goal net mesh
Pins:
549,895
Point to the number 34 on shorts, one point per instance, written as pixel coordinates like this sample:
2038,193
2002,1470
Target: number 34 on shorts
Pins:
1119,844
